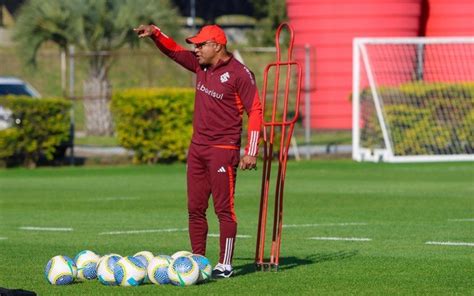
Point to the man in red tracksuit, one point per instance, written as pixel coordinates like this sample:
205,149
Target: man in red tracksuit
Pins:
224,89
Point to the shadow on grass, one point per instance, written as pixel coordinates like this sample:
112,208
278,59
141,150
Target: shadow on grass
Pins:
287,263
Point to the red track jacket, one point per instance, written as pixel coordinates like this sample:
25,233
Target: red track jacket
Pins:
223,92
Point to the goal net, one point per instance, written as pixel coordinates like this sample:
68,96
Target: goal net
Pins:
413,99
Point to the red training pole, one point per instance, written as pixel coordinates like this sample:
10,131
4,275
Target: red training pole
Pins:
269,132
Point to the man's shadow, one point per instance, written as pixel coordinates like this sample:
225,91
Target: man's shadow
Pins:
287,263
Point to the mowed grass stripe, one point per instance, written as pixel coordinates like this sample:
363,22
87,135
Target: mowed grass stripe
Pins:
451,244
144,231
352,239
238,235
34,228
322,225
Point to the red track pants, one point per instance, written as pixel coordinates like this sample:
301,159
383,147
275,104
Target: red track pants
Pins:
212,170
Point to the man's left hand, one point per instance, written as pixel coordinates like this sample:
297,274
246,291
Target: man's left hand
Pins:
248,162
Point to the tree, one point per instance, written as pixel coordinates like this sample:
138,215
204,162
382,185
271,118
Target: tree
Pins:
97,27
209,10
270,14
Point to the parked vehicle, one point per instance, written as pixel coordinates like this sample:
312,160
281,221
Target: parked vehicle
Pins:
13,86
17,86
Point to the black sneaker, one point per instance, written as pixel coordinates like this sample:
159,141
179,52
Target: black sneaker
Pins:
220,272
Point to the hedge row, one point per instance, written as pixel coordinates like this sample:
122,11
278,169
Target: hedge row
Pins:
155,123
423,119
38,127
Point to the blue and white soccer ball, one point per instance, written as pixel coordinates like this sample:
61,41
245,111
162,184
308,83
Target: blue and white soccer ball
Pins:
145,257
106,267
86,262
157,269
60,270
205,267
181,254
129,271
183,271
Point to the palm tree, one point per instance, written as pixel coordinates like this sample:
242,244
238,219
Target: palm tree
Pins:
93,26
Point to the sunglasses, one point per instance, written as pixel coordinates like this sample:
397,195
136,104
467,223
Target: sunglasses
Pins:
200,45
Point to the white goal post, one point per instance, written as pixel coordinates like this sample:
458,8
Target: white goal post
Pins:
413,99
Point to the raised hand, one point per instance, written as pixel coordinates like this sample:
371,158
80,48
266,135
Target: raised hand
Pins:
144,30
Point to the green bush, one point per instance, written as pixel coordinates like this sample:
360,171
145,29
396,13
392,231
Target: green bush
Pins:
422,118
39,126
412,130
155,123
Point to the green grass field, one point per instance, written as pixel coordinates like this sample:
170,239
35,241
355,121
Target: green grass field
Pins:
398,207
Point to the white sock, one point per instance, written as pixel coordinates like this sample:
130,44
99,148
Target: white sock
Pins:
221,266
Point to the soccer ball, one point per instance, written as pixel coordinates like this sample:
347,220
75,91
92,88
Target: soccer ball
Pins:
129,271
106,267
183,271
158,269
60,270
181,254
205,268
145,257
86,262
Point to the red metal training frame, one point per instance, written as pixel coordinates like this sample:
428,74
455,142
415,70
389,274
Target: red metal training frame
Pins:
287,126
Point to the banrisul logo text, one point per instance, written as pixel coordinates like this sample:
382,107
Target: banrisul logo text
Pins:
210,92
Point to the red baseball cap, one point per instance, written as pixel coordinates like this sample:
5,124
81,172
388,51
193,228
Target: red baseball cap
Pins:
208,33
